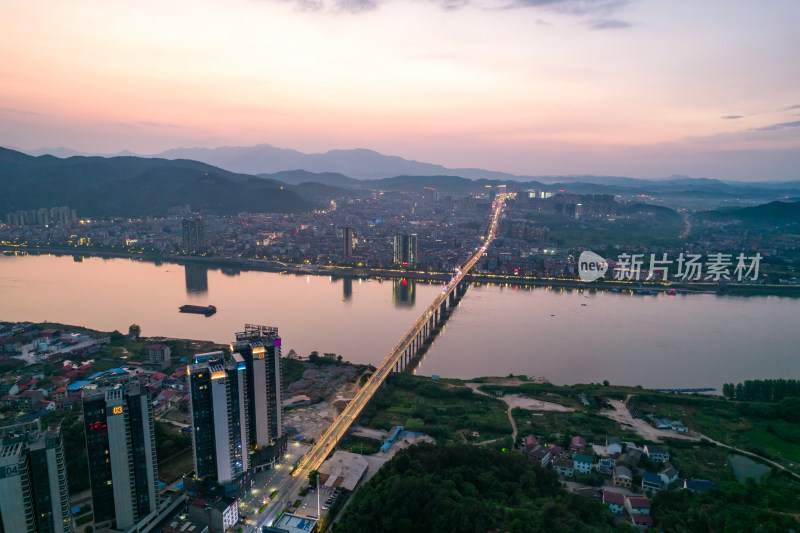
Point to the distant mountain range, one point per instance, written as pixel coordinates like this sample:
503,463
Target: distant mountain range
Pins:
362,164
135,186
358,163
233,179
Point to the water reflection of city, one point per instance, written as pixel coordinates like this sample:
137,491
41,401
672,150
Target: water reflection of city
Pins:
403,292
196,279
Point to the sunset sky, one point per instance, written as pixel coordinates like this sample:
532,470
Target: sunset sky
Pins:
634,88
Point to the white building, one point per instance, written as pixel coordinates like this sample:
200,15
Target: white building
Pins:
33,480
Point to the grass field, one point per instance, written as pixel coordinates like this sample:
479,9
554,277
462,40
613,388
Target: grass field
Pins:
357,444
718,419
172,470
438,409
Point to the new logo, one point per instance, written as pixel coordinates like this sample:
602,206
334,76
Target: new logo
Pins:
591,266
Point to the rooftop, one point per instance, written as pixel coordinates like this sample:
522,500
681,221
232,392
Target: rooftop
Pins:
613,497
639,502
343,469
294,524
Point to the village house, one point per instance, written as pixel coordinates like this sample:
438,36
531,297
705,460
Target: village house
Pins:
613,446
564,466
622,477
656,452
577,444
651,481
637,505
615,501
540,456
583,463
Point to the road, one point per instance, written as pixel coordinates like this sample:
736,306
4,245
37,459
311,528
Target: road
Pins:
336,431
278,478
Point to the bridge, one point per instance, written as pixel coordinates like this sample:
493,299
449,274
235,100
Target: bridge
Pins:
402,352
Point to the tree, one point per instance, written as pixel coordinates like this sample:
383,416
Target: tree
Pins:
312,477
134,331
313,357
292,354
605,383
728,390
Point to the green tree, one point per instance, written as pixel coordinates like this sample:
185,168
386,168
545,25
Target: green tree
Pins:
134,331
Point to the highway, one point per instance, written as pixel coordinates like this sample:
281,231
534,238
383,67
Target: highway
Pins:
323,447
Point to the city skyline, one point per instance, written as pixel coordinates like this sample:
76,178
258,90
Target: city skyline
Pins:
639,89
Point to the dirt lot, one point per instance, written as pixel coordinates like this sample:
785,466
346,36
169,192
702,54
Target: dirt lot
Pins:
620,414
318,383
517,400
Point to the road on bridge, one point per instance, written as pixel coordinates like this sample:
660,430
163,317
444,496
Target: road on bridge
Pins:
320,451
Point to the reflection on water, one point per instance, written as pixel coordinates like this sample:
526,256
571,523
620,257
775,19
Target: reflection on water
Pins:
403,293
347,288
196,278
566,335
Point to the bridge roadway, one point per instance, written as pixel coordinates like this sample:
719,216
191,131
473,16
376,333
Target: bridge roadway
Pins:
313,459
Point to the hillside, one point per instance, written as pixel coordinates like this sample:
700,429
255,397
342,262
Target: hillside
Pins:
771,212
466,488
135,186
295,177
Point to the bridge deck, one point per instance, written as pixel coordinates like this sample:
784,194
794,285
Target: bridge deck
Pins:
314,458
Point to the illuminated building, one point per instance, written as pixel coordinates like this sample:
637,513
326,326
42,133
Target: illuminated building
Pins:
194,235
219,416
347,242
260,349
33,480
121,451
405,250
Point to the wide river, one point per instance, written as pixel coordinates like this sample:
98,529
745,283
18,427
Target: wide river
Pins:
568,336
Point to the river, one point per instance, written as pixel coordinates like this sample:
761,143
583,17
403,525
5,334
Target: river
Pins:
567,336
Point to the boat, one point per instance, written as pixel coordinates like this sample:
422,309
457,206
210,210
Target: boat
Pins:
207,310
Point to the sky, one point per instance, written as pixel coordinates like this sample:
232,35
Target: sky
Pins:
640,88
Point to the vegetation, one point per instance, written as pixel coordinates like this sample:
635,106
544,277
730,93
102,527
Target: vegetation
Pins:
83,520
747,507
169,440
98,186
438,409
325,359
559,428
465,488
362,445
767,429
764,390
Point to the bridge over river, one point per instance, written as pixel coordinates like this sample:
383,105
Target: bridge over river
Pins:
402,353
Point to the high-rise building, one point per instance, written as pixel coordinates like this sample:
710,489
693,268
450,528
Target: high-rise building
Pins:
347,242
194,235
405,250
218,395
430,194
121,450
33,480
260,349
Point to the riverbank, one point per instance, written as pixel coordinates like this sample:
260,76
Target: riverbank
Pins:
634,287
